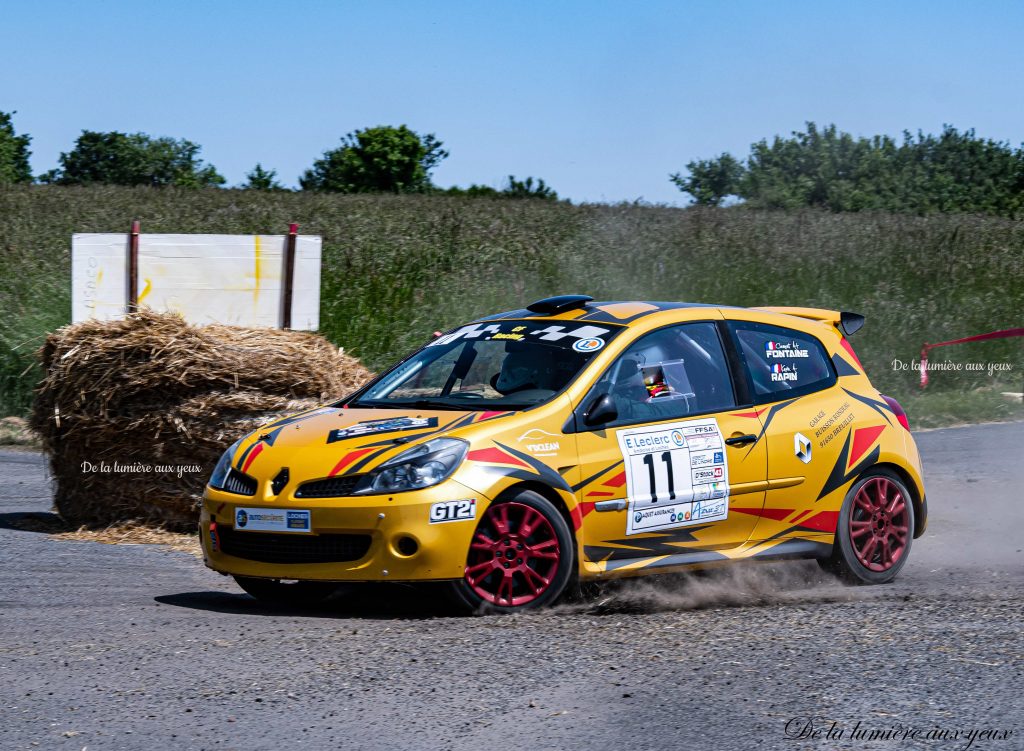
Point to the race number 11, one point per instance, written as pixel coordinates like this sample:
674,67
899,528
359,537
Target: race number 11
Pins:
666,458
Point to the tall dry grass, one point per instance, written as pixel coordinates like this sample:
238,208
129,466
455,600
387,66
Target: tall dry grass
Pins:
396,268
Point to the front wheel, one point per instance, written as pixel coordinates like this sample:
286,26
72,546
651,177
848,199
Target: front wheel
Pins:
276,592
875,529
521,557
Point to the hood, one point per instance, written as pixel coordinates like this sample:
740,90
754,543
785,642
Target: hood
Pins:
329,441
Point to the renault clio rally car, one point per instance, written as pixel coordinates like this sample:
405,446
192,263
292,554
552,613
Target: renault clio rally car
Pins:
577,440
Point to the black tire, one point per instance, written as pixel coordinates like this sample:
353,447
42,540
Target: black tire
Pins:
468,599
849,554
276,592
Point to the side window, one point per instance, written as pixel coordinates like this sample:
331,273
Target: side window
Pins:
431,377
782,363
672,372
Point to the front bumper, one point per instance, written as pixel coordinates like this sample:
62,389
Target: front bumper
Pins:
389,521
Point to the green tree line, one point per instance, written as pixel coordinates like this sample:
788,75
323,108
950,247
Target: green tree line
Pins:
826,168
382,159
14,153
954,171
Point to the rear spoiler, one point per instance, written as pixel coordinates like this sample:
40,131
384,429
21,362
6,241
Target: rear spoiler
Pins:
848,323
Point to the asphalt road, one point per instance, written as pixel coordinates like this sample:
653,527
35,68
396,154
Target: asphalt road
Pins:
136,647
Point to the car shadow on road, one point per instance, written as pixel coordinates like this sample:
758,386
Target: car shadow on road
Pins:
45,522
364,601
738,586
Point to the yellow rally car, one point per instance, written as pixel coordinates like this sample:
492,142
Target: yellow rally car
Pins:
577,440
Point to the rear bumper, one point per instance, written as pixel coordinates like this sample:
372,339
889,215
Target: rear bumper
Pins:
340,531
921,522
915,471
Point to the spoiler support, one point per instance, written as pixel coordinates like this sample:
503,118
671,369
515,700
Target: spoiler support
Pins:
847,322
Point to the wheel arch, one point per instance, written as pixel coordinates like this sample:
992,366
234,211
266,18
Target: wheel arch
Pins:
916,496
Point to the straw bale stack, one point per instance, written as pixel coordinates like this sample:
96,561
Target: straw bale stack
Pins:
125,404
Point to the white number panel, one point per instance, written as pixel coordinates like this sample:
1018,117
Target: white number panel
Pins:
676,475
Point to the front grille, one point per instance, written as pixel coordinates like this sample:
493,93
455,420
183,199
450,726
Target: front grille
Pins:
332,487
269,547
241,484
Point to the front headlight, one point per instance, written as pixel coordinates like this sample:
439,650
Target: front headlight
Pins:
223,468
419,467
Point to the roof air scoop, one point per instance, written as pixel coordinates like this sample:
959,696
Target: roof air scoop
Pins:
559,304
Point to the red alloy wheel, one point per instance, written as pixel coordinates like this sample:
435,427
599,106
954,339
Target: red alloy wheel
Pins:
879,524
514,555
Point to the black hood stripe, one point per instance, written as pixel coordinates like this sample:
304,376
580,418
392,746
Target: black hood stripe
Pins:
549,475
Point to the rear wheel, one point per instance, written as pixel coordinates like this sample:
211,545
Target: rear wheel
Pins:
875,530
521,557
277,592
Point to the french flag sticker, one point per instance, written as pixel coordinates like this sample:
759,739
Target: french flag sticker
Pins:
776,368
769,346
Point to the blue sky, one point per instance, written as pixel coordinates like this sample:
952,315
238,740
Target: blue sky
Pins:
602,100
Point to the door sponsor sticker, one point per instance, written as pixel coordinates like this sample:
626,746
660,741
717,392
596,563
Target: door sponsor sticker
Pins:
453,511
705,458
676,475
272,520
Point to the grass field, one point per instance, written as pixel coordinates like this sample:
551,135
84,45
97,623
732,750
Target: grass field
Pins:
399,267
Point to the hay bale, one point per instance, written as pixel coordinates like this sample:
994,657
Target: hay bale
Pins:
14,431
154,391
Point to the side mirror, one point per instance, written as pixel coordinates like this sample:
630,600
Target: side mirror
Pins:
602,410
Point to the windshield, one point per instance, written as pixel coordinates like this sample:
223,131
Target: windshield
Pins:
504,365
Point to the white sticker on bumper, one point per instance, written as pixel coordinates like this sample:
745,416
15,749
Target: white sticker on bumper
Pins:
272,520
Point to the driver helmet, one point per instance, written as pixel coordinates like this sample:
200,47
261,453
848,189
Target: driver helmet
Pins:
520,370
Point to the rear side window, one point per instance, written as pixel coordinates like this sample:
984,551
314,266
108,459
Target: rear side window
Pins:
781,362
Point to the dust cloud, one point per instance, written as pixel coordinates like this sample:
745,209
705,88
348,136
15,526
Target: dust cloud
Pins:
735,585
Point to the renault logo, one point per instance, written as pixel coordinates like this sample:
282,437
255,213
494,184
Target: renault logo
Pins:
802,447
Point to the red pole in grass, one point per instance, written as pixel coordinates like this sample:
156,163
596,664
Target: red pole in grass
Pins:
133,268
1003,334
289,276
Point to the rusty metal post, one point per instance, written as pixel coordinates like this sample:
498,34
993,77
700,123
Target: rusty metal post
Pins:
133,269
289,276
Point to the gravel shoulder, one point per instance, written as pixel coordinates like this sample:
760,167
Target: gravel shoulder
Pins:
137,647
